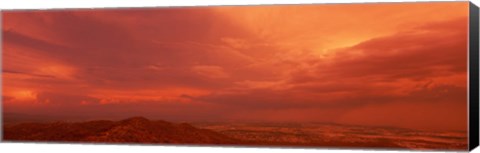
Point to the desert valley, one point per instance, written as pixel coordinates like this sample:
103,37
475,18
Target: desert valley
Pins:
140,130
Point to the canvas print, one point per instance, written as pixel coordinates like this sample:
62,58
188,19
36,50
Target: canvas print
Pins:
373,75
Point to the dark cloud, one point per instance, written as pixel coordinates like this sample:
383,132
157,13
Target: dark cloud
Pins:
25,73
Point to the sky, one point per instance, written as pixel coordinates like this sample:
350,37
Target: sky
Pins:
384,64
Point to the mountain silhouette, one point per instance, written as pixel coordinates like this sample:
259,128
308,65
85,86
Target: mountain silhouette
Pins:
131,130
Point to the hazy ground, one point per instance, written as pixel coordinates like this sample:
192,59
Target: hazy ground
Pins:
334,135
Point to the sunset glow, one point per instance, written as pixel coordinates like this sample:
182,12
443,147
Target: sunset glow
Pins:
387,64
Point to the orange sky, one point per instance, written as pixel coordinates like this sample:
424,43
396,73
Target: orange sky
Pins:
385,64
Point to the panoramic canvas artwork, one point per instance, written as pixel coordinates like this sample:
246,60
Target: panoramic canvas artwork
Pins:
374,75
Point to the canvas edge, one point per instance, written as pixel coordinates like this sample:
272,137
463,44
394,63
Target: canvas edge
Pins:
473,79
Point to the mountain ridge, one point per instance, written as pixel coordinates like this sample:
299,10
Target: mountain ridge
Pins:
131,130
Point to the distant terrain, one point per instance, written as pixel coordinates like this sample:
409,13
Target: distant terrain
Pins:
144,131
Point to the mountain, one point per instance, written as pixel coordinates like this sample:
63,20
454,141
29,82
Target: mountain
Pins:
132,130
